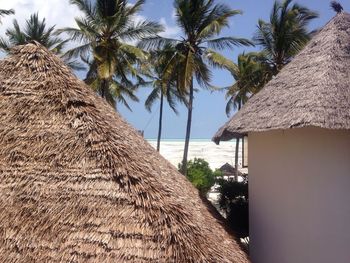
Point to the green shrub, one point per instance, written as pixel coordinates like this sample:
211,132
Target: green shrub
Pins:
200,174
234,201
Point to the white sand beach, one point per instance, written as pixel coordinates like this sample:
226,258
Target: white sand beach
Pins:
215,155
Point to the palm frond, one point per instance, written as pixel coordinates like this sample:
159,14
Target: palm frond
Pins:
216,20
141,30
156,42
219,61
337,7
86,7
136,8
5,45
228,42
151,98
4,12
79,51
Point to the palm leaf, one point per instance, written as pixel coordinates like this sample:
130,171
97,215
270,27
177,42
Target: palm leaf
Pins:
152,97
227,42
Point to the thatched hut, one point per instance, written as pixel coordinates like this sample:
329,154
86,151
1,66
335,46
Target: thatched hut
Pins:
78,184
229,171
299,154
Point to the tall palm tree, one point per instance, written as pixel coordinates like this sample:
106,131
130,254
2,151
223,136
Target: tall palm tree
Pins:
250,75
4,12
35,30
201,22
105,32
285,34
162,89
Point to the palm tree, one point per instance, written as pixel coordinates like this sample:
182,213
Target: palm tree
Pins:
36,30
285,34
162,89
201,22
105,32
120,88
4,12
337,7
250,75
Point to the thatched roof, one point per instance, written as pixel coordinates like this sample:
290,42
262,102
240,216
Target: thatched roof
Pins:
312,90
78,184
228,170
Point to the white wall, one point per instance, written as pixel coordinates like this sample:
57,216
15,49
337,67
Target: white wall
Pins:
299,183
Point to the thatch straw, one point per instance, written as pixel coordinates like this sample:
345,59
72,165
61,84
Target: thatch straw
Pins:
313,90
78,184
228,170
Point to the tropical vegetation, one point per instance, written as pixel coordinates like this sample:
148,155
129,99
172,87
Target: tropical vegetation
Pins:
105,33
285,34
122,53
35,30
234,203
201,175
250,73
201,23
162,88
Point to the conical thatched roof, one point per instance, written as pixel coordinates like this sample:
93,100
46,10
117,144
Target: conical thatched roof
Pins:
78,184
313,90
228,170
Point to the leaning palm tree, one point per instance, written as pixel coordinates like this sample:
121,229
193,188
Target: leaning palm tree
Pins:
162,89
285,34
105,32
201,22
250,75
4,12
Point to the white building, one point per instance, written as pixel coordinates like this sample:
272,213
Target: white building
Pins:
299,155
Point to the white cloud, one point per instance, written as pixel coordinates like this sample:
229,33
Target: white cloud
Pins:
173,13
60,13
56,12
170,31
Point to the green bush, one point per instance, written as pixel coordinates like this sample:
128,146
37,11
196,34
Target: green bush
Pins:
234,201
200,174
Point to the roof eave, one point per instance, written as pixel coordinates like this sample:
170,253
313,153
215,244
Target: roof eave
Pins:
225,135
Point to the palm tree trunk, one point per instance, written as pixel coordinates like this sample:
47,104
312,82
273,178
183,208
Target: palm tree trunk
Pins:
160,120
188,131
236,159
237,150
104,85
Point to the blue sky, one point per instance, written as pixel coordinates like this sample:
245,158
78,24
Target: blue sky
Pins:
209,108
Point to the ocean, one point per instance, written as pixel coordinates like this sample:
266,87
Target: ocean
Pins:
215,155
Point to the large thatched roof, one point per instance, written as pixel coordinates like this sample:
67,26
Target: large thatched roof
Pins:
78,184
313,90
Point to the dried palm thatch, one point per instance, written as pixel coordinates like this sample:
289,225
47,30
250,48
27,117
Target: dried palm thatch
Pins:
78,184
313,90
228,170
